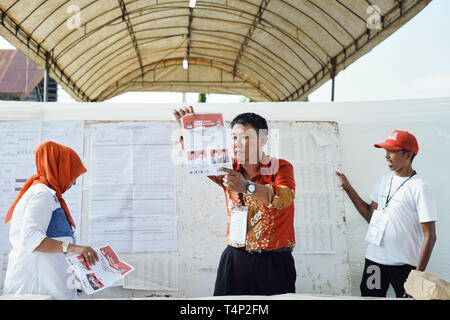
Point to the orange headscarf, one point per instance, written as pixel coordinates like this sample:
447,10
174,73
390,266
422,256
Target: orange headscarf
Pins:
58,164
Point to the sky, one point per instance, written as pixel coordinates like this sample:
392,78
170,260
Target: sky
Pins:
413,63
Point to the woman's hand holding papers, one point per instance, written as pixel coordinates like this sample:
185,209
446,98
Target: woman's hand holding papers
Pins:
89,254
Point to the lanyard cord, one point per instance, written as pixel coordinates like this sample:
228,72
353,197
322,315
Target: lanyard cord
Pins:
390,186
48,182
241,199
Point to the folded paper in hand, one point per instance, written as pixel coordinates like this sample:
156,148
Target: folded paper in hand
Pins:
104,273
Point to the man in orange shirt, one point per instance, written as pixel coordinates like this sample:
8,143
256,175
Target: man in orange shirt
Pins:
261,188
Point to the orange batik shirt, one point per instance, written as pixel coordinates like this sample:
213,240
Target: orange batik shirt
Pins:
269,227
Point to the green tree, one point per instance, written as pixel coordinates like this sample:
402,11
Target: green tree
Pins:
202,97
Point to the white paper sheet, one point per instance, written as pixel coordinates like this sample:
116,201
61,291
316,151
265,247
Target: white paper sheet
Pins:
205,144
103,274
133,187
3,266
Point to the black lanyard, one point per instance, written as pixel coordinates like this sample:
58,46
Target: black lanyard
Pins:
48,182
241,199
390,186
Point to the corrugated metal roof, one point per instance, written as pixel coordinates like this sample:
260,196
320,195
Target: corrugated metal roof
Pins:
18,74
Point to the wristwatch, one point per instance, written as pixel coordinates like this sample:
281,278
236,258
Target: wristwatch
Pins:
65,246
250,188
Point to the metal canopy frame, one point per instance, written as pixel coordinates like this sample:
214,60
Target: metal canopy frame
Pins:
268,50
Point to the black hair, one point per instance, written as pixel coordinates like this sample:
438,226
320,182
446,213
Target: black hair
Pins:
252,119
413,155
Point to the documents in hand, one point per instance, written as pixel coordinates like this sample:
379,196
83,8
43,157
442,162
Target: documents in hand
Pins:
103,273
205,144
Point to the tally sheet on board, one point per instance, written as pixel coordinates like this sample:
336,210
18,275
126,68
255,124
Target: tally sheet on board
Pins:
132,204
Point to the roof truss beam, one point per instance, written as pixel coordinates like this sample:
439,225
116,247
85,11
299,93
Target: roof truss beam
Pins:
127,20
188,46
256,20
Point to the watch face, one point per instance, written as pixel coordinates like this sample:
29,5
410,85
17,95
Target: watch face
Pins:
251,188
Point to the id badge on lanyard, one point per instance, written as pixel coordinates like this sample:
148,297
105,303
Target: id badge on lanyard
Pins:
380,219
238,224
377,226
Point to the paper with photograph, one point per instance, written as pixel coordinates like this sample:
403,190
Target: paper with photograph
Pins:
101,275
205,144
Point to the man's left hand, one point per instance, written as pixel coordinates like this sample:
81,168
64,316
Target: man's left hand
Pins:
234,180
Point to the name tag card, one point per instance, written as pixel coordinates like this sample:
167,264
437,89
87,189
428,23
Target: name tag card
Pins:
377,225
238,225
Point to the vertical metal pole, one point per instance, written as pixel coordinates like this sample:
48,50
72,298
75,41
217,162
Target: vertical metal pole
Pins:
184,97
46,77
333,77
332,88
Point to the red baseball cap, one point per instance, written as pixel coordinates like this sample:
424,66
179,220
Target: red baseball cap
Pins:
399,140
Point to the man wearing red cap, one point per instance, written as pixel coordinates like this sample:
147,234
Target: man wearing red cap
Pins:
401,217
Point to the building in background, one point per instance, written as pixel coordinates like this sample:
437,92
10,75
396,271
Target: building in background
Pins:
23,80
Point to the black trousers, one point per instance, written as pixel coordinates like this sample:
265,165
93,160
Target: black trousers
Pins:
377,277
244,273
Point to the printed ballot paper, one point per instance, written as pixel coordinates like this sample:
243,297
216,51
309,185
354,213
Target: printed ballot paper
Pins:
102,274
205,144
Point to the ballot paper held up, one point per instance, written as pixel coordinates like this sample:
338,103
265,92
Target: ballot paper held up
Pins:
103,273
205,144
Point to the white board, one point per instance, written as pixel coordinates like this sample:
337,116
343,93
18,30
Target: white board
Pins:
361,124
321,253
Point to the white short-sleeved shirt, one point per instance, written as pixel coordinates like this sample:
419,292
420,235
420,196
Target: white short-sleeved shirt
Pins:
30,271
410,206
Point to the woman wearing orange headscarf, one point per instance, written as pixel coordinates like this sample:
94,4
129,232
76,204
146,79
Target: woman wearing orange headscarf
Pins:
41,230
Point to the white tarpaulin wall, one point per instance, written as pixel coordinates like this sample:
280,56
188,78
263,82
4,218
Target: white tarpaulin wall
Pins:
361,124
129,202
